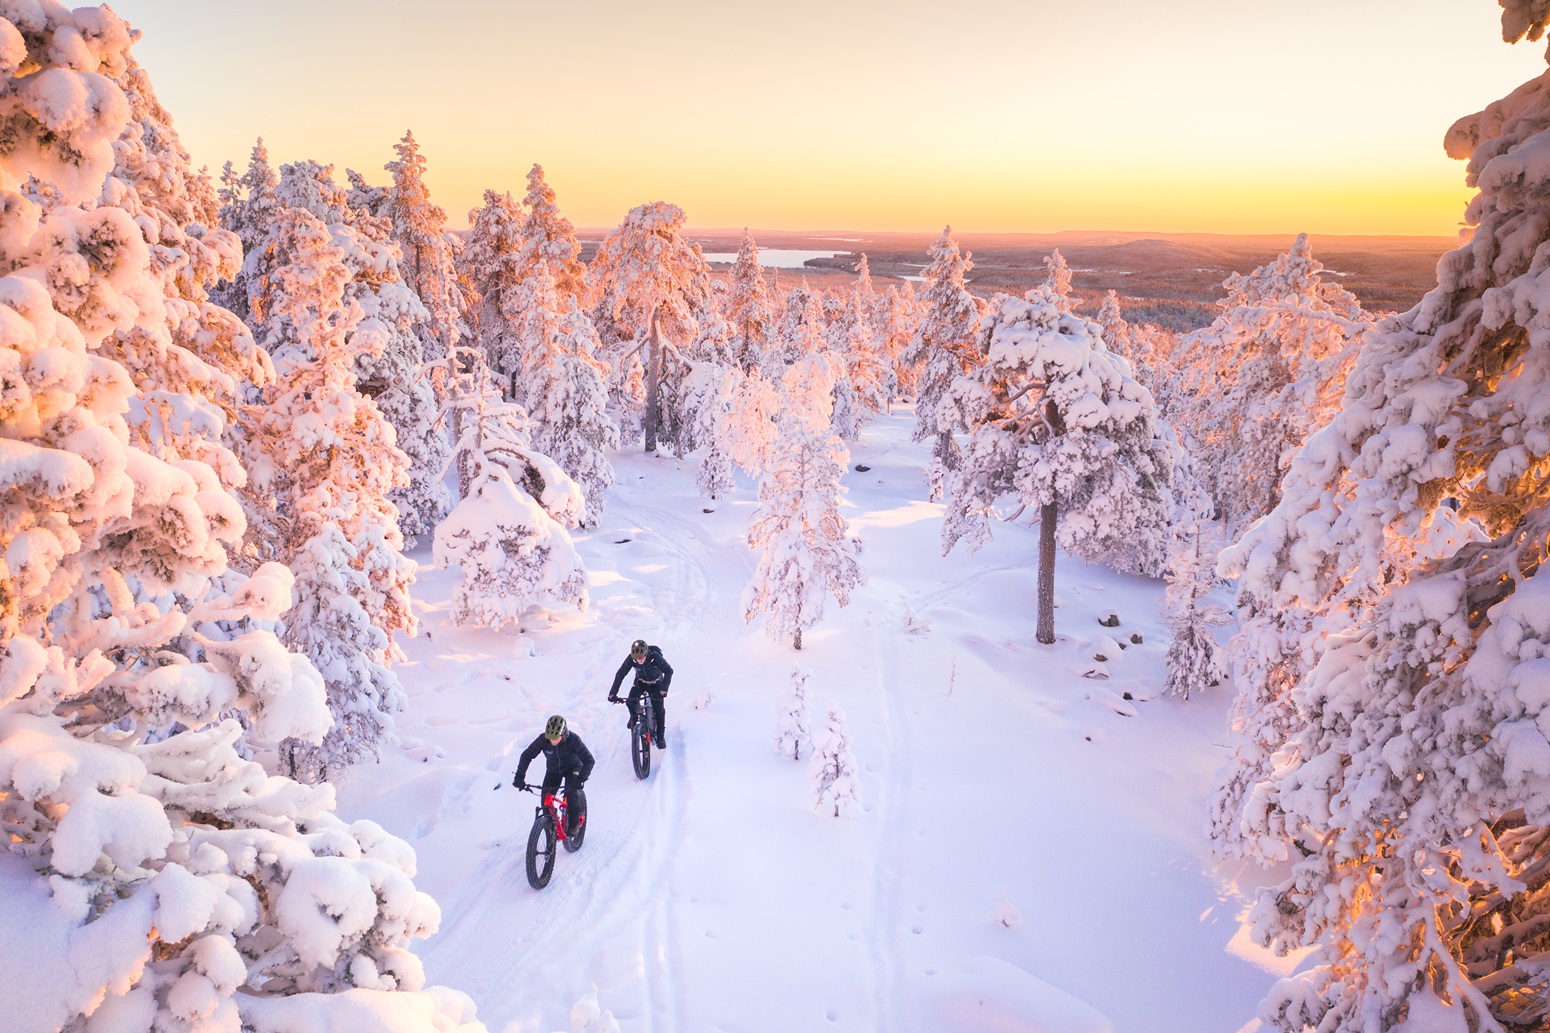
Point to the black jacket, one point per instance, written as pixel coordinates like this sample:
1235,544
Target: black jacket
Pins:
569,756
654,672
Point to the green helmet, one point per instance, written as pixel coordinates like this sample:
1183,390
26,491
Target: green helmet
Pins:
555,729
638,649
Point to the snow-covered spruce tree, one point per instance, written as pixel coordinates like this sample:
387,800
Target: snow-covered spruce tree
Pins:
1131,343
159,879
899,314
1055,421
559,381
942,349
832,773
1194,660
1399,760
797,529
507,534
651,285
748,306
1267,371
1057,279
426,262
793,728
488,262
324,460
247,207
389,367
549,241
716,390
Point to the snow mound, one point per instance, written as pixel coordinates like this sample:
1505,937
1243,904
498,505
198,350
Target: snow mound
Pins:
991,996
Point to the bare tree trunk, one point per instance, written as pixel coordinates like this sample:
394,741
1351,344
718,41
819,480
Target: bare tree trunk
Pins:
1046,627
796,640
653,381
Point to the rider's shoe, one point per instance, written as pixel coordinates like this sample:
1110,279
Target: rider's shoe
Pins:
661,742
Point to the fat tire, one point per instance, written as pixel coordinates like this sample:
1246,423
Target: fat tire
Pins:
640,741
540,853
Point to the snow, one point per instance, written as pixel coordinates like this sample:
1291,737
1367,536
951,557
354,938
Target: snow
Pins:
713,897
774,258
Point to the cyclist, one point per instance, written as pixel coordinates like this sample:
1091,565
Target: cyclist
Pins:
653,675
568,760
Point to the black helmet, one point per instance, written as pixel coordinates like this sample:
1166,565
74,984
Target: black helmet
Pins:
555,729
638,649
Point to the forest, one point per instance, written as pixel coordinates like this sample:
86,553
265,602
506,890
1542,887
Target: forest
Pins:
234,404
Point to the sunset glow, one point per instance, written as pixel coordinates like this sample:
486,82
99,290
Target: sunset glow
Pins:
997,116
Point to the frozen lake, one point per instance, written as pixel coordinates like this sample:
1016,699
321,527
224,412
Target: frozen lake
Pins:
774,258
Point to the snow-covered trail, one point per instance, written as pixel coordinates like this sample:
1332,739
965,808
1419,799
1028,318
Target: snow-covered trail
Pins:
712,897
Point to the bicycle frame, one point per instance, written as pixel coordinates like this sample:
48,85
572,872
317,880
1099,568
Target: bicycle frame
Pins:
553,808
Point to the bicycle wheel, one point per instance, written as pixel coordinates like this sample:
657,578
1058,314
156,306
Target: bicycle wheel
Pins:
640,741
573,839
540,853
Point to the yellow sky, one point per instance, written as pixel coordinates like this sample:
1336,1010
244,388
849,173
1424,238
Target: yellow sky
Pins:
991,115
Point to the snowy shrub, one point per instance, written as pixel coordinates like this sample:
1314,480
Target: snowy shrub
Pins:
793,729
1194,660
832,773
512,554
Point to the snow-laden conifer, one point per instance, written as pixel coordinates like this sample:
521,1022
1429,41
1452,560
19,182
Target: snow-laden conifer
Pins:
652,286
793,726
1194,660
1267,372
425,249
748,306
1397,757
323,460
508,535
1055,422
832,774
488,262
805,552
942,349
161,880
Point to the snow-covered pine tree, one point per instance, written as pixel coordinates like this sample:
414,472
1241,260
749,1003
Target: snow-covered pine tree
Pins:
1194,660
549,241
652,286
559,380
389,367
900,313
1056,422
324,460
832,774
804,550
1129,342
507,535
793,728
1398,758
942,349
488,261
748,306
151,877
752,426
1057,280
1267,371
247,209
426,252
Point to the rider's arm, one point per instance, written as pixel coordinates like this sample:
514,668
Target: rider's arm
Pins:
624,669
667,674
527,758
586,759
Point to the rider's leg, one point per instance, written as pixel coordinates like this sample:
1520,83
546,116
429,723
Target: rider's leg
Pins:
633,699
551,784
575,804
659,711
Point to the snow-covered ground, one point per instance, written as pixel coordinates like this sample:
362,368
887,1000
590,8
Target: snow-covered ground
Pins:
996,781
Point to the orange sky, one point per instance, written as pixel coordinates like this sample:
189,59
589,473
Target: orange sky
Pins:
991,115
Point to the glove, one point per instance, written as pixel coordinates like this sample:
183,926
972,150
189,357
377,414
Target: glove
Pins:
613,697
517,783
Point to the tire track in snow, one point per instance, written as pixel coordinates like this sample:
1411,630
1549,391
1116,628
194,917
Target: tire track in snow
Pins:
893,796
